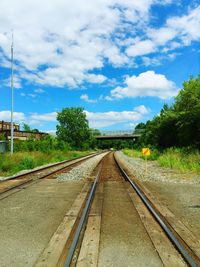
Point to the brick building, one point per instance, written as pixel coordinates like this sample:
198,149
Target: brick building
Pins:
5,129
4,125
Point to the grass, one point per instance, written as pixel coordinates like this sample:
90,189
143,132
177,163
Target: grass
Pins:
180,159
10,165
138,154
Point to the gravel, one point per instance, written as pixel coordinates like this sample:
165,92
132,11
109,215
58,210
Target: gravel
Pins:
155,172
82,171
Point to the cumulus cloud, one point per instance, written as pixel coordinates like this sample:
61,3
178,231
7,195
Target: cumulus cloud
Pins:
186,26
92,78
43,117
105,119
16,82
178,31
146,84
59,43
86,98
141,48
5,115
96,119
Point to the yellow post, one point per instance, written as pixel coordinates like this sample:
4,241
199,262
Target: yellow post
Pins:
145,164
146,152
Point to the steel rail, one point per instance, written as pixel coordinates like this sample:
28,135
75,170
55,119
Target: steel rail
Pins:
81,222
191,258
49,166
77,160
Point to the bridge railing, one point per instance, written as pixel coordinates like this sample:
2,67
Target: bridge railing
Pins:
122,132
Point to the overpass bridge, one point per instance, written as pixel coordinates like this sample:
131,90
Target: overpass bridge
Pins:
125,134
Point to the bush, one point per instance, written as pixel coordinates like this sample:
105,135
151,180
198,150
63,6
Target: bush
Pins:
181,159
184,159
27,163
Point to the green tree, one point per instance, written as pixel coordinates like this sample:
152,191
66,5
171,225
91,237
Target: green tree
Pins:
73,127
140,125
26,127
95,132
35,131
178,125
187,106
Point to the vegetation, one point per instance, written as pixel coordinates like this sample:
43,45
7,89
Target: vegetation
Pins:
9,165
73,128
174,135
174,158
181,160
115,144
27,128
46,145
178,125
2,137
138,153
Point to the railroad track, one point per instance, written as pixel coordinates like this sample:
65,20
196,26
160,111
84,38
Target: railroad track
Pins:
18,182
101,216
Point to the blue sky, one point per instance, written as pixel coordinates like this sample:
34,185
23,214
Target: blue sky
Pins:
119,59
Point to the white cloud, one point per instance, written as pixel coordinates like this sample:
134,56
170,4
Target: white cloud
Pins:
96,119
187,26
16,82
60,42
92,78
148,61
43,117
39,91
87,99
146,84
141,48
5,115
162,36
105,119
142,109
178,31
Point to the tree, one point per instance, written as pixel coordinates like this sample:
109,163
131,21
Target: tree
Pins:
178,125
35,131
187,106
73,127
95,132
140,125
26,127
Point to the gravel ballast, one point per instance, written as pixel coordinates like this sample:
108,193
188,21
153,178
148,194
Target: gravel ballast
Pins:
155,172
82,171
177,191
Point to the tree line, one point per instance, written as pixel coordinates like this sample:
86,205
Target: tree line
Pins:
177,125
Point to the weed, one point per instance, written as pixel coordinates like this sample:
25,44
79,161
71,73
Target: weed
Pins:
9,165
174,158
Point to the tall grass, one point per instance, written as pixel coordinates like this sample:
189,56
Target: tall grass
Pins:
9,165
138,154
174,158
181,160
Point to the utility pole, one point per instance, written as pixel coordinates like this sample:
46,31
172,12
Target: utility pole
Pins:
12,98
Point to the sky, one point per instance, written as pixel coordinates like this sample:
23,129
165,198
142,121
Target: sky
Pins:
120,60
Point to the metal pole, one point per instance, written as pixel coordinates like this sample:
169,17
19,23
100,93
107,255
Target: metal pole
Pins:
12,98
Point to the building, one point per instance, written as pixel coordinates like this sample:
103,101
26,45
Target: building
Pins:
7,126
5,129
